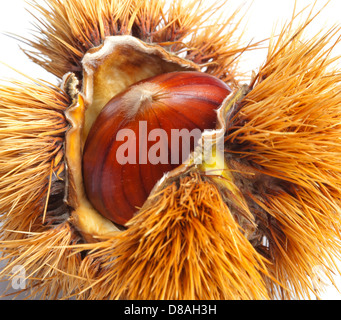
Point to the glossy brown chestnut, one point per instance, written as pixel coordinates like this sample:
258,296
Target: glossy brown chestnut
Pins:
124,132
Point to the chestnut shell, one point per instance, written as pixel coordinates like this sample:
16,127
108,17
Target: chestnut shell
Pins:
176,100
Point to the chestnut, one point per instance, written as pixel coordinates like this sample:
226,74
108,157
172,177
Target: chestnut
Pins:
131,144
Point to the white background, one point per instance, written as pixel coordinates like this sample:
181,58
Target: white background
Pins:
260,20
